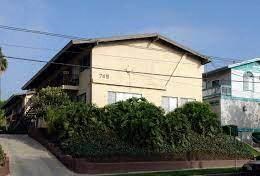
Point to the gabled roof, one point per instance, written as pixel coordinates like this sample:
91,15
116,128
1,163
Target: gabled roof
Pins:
73,45
228,67
14,97
244,62
216,71
11,99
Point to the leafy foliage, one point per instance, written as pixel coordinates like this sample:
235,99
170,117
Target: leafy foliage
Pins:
202,119
136,121
218,147
136,128
176,128
2,118
3,62
2,156
75,119
1,103
53,97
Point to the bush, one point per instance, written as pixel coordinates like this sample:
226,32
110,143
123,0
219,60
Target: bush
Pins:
48,97
202,119
176,129
74,119
136,121
2,118
2,156
218,147
136,128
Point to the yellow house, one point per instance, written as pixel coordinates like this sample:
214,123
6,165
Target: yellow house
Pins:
106,70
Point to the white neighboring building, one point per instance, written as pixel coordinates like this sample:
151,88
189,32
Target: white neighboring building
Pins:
234,94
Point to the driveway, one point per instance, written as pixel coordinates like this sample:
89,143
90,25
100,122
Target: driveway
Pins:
29,158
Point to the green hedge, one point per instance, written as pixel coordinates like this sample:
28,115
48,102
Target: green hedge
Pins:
136,121
136,128
2,156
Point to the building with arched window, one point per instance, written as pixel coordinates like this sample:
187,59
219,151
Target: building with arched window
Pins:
248,81
234,94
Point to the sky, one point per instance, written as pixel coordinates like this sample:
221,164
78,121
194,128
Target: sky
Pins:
222,28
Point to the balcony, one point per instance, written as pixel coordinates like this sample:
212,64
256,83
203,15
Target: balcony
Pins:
67,81
223,90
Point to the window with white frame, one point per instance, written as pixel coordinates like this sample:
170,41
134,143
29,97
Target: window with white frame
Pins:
169,103
121,96
248,81
185,100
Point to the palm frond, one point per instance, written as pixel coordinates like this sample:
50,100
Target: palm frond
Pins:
3,62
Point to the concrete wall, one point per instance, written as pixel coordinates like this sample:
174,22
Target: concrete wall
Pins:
144,56
232,113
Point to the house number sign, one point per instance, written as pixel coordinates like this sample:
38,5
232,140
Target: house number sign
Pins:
104,76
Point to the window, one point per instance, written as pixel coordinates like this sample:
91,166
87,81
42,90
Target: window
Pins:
248,81
169,103
215,83
186,100
121,96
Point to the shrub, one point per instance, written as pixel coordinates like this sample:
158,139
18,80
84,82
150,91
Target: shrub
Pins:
2,156
2,118
176,128
218,147
136,121
136,128
46,97
74,119
202,119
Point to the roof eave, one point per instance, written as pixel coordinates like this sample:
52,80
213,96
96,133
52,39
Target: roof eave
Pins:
25,87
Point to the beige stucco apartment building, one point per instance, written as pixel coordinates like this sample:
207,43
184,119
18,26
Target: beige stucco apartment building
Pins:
106,70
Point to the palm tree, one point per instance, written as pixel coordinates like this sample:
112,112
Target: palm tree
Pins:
3,66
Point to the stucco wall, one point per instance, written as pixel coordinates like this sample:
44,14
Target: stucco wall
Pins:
143,56
232,113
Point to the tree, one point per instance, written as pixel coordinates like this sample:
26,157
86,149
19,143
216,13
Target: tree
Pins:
47,97
202,119
1,103
3,66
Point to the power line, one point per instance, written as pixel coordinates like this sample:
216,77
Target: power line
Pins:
12,28
100,54
76,37
118,70
53,49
